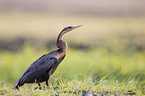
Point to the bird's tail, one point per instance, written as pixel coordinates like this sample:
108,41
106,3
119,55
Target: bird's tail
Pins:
16,86
19,83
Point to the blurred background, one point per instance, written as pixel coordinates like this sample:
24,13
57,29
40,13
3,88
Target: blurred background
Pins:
105,22
112,37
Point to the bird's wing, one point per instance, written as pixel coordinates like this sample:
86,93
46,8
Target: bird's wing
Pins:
37,68
36,63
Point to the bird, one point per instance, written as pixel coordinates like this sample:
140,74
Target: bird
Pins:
41,69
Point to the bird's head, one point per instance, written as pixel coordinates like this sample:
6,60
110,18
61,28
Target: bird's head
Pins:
69,28
60,42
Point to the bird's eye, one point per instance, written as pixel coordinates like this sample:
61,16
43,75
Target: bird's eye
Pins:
69,27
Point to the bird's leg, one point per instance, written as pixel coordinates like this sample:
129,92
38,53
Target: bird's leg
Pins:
47,83
39,85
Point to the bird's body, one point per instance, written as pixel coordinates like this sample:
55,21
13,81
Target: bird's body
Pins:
40,70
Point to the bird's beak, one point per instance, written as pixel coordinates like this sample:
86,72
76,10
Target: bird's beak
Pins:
74,27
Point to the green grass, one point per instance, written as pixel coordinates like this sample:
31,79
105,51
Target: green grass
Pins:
74,87
98,70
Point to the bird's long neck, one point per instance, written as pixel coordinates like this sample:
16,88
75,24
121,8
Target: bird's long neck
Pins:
62,45
59,39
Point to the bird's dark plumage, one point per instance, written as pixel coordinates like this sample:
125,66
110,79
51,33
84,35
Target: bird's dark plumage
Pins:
40,70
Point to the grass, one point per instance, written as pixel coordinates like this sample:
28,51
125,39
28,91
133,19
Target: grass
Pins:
74,87
98,70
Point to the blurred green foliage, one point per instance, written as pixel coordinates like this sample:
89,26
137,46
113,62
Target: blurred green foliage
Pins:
94,63
100,65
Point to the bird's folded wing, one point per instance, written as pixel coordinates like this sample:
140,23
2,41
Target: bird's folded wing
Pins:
37,68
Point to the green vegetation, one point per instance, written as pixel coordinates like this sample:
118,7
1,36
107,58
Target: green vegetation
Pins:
98,70
109,58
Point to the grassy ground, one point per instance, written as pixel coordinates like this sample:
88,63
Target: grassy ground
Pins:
74,87
98,70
